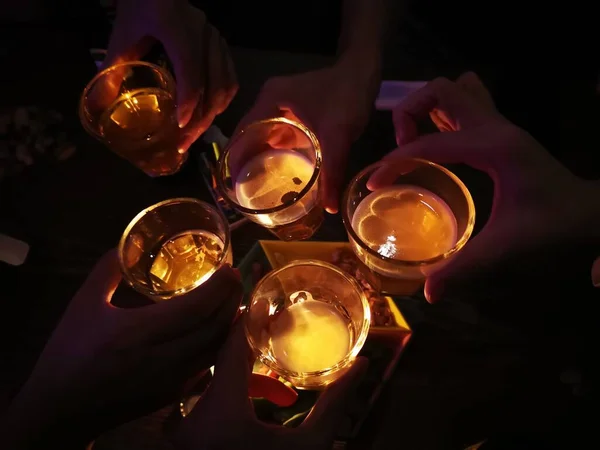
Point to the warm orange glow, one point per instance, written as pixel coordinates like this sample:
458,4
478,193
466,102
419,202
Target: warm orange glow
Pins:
406,223
273,178
186,259
310,336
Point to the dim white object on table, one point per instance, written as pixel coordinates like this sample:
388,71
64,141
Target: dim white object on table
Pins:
13,251
392,92
214,134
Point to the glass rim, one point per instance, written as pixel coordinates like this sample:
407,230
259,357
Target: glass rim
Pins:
104,72
460,243
360,338
313,179
176,292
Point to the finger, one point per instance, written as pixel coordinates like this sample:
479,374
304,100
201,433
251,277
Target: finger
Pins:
331,405
264,108
103,279
176,316
231,379
441,120
125,46
269,388
477,256
443,148
473,84
246,145
187,62
216,92
335,155
448,148
269,103
417,106
198,348
390,170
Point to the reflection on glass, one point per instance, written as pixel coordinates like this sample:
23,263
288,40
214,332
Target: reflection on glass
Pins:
270,172
408,229
174,246
307,321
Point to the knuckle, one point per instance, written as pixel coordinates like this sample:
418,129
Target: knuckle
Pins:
442,85
233,89
199,16
272,84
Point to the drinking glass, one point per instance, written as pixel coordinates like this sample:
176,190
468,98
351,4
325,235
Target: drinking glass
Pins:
131,108
408,229
174,246
270,172
307,321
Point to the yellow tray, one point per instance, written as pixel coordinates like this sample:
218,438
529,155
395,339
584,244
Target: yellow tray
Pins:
383,347
280,253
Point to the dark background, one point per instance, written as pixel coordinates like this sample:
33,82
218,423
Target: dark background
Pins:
542,69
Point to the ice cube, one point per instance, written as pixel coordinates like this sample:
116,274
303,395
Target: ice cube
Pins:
160,268
180,245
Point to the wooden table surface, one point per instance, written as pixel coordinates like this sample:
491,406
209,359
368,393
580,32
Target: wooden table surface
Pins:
464,377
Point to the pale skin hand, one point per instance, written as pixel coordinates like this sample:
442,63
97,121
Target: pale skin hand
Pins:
226,402
334,102
204,71
105,365
526,205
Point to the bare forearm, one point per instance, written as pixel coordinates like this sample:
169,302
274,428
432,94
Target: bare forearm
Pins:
363,28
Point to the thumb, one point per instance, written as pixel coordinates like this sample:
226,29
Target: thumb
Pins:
335,155
104,278
459,147
246,142
231,379
264,108
331,406
125,46
122,48
174,317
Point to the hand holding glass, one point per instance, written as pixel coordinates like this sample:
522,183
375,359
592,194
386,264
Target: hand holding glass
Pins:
174,246
405,228
131,108
270,173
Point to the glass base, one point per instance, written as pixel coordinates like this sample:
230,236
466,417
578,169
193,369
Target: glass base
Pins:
167,173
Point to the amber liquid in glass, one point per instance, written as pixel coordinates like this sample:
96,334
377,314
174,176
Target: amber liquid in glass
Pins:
310,336
406,223
141,126
273,178
186,259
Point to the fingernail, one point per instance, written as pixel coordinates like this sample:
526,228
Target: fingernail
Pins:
431,293
183,114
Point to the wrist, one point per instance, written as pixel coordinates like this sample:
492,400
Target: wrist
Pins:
364,66
364,60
